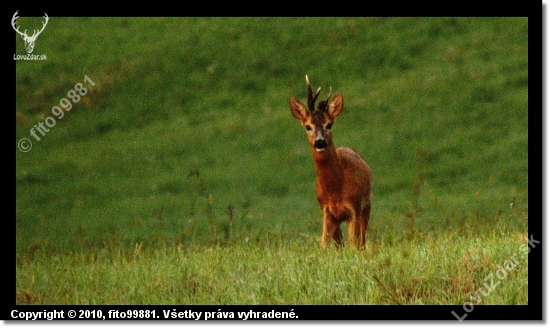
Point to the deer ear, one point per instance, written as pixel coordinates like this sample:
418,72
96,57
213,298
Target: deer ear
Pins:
336,106
298,109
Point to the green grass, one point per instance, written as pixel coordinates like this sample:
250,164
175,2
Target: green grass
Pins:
285,272
186,149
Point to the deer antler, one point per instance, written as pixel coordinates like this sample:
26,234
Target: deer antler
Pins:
311,99
36,34
13,23
323,105
24,34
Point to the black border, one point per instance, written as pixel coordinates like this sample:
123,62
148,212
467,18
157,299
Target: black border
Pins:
532,311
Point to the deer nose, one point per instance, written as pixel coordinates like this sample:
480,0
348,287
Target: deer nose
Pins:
320,144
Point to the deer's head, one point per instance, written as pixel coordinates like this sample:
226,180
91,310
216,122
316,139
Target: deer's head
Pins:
29,40
317,122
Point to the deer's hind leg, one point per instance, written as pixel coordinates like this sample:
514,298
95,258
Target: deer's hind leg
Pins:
363,225
353,230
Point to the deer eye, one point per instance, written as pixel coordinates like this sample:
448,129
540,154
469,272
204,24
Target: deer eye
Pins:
308,127
329,126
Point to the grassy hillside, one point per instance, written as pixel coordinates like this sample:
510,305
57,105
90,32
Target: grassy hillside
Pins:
186,139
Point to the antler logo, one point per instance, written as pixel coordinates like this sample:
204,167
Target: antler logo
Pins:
29,40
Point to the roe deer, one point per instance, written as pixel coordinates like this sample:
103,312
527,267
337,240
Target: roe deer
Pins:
344,179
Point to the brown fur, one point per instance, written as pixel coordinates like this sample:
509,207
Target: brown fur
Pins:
344,179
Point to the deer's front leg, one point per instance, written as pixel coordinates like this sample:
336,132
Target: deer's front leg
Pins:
331,229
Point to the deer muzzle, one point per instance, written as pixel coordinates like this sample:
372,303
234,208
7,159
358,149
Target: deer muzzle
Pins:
320,145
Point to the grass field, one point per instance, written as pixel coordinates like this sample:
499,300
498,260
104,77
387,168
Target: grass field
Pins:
179,175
